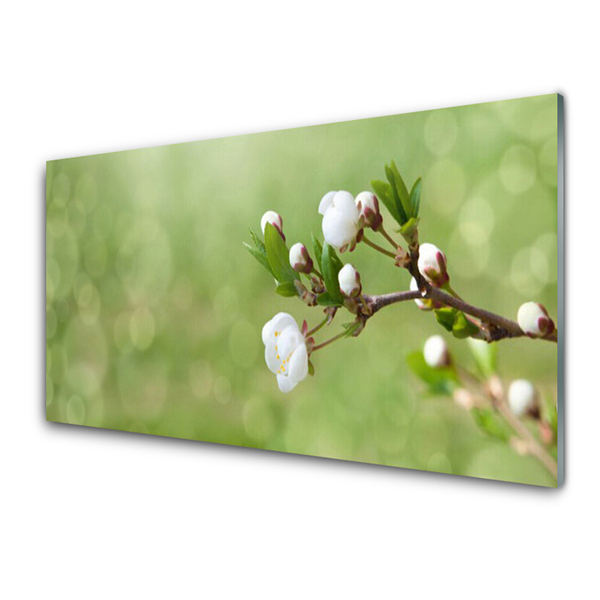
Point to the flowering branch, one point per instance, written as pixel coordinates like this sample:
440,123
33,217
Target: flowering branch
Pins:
531,445
335,286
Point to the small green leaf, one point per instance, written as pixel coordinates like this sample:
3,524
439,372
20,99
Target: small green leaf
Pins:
463,328
330,267
260,257
350,327
311,368
287,289
446,317
396,194
384,192
490,424
318,248
409,227
258,242
402,191
484,355
278,255
440,381
325,299
415,196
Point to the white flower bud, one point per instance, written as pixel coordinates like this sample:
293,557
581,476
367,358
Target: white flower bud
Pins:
368,210
300,259
274,219
436,352
534,320
521,397
340,220
432,265
349,280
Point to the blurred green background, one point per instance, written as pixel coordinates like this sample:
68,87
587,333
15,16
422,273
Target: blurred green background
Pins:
155,309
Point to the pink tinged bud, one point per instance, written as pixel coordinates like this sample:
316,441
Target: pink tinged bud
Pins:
432,265
274,219
349,281
368,210
521,397
534,320
300,259
436,352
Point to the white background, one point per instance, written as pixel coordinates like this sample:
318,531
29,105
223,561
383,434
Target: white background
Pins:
95,514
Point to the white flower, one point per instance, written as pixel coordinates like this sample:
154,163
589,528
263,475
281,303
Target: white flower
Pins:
521,396
349,281
274,219
534,320
368,210
300,259
340,219
436,352
286,354
432,265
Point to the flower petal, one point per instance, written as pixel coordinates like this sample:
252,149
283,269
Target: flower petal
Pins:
338,230
345,203
279,322
289,339
298,365
326,202
271,355
286,383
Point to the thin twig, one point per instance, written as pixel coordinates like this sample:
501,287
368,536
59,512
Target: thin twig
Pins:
378,248
315,329
388,237
333,339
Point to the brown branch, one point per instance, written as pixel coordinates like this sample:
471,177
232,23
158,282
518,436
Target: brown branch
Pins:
376,303
494,327
501,326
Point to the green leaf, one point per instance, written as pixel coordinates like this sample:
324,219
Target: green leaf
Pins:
409,227
330,267
384,192
415,197
350,327
396,195
278,256
402,191
440,381
287,289
258,242
325,299
260,257
446,317
490,424
318,248
484,355
463,328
